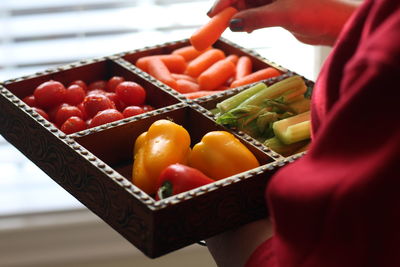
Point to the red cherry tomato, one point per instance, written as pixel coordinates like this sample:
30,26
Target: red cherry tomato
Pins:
118,103
42,113
82,108
113,82
105,116
99,84
50,94
95,103
29,100
132,111
75,94
53,111
73,125
96,91
81,84
147,107
65,112
131,93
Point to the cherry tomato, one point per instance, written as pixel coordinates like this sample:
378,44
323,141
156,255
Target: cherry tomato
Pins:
75,94
82,108
95,103
80,83
30,100
105,116
73,125
132,111
96,91
113,82
42,113
65,112
131,93
53,111
118,103
50,94
147,107
99,84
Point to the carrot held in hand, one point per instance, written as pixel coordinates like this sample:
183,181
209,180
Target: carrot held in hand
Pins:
244,67
174,63
216,75
204,61
257,76
209,33
159,70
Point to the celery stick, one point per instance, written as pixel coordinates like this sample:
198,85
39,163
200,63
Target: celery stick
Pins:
235,100
287,86
293,129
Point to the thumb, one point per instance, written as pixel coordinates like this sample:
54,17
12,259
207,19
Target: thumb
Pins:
256,18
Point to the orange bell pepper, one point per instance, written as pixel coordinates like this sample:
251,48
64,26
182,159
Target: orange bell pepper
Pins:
220,154
164,143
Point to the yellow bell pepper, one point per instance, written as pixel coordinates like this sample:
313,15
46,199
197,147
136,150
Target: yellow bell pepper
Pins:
220,154
164,143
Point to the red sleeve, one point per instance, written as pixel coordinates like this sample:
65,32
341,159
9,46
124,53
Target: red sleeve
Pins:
340,204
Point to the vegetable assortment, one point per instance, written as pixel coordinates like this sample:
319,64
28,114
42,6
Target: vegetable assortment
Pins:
79,106
163,153
277,115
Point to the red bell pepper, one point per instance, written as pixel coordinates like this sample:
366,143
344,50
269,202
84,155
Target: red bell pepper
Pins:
178,178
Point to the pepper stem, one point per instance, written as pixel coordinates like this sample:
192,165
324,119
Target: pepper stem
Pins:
165,190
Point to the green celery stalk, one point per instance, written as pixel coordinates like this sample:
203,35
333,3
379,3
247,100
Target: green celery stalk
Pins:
236,100
287,88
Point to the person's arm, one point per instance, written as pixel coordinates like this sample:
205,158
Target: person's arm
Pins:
316,22
233,248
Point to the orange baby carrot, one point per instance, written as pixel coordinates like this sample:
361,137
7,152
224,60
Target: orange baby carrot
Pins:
216,75
198,94
179,76
259,75
209,33
188,52
185,86
174,63
157,68
244,67
204,61
233,57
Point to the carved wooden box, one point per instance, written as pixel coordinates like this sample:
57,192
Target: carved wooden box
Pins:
95,165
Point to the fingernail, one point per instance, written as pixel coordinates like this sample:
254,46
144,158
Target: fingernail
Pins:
236,25
209,11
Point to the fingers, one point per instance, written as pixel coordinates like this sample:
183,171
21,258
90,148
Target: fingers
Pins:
220,5
256,18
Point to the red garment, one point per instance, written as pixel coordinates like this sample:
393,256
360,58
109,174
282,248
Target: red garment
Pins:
340,204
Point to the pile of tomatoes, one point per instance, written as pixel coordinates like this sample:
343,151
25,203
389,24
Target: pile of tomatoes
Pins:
79,106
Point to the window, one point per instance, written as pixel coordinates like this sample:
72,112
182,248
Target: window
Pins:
36,35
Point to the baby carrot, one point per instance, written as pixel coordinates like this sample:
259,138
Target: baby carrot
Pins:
179,76
198,94
259,75
204,61
209,33
244,67
185,86
174,63
157,68
233,57
216,75
188,52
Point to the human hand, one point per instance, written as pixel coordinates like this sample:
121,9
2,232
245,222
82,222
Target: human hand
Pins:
316,22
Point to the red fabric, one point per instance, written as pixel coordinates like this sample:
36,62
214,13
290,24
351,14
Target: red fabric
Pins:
340,204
